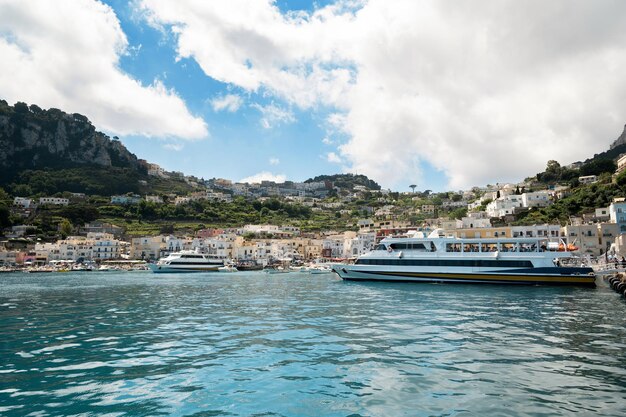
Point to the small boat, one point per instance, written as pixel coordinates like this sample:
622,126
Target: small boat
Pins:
320,269
249,266
227,268
187,261
276,270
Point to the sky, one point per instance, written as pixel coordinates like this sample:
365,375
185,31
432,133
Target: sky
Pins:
442,94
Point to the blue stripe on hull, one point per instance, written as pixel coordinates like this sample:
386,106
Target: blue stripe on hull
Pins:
569,277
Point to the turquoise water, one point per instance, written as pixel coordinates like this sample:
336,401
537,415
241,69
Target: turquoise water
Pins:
138,344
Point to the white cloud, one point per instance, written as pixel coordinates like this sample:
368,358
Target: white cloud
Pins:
230,102
484,91
327,141
65,54
273,115
264,176
174,146
333,157
274,161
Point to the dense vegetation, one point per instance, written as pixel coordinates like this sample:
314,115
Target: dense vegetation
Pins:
347,181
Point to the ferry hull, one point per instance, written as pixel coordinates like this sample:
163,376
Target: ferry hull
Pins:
543,276
162,269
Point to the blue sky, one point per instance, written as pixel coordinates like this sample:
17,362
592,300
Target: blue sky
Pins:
443,95
238,146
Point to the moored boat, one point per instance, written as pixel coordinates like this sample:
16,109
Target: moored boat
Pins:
437,258
186,261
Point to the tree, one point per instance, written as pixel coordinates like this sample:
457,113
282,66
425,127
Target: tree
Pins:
65,227
412,187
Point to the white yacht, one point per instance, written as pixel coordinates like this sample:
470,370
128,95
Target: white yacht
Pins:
187,261
437,258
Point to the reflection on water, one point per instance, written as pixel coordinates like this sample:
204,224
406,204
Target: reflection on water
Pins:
136,344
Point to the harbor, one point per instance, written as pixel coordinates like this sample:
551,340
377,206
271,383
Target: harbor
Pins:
236,344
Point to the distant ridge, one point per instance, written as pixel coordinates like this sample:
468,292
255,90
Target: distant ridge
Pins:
347,181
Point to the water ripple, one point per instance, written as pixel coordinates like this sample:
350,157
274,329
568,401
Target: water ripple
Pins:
253,345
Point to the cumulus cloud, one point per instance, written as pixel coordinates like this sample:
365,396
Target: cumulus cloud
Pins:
263,176
274,161
333,157
482,91
65,54
273,115
230,102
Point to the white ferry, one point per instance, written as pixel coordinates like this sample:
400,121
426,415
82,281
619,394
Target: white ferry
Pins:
437,258
187,261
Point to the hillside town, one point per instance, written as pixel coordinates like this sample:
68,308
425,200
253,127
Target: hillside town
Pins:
488,212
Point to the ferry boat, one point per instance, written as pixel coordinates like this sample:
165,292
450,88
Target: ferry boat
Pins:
437,258
186,261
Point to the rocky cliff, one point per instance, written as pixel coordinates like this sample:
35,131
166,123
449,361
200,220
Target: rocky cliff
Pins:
33,138
621,140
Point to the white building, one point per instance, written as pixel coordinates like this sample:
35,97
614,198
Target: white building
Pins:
536,199
334,246
602,214
588,179
154,199
360,244
504,206
54,201
475,220
23,202
542,231
617,213
621,163
104,246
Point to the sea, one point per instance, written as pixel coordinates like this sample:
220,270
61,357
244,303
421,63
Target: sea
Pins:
255,344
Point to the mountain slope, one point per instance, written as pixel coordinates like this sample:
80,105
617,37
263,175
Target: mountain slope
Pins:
33,139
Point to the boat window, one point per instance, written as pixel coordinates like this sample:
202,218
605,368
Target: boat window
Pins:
409,246
507,247
528,247
470,247
453,247
380,247
489,247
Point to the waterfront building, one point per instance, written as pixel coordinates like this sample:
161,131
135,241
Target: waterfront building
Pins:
360,244
617,213
592,239
9,257
104,246
149,247
176,244
333,246
481,233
